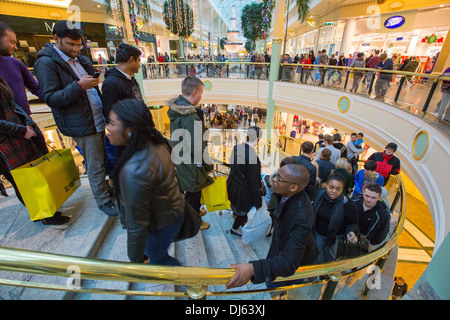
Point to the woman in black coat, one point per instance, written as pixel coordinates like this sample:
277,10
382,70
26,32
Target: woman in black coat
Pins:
244,181
334,215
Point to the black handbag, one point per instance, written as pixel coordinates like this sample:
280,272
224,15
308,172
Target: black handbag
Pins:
191,224
343,249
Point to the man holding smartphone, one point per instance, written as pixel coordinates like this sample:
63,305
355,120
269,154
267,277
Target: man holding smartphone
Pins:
70,90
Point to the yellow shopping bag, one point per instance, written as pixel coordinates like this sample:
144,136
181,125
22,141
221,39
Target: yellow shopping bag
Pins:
47,182
215,196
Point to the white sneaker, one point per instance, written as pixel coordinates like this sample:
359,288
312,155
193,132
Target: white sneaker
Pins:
237,232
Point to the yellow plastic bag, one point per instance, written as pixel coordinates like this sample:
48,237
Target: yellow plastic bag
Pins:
215,196
47,182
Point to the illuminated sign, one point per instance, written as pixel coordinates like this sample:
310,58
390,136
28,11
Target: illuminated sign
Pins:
394,22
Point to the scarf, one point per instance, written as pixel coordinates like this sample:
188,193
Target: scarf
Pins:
337,215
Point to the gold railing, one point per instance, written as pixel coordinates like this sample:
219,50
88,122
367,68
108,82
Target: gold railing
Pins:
197,279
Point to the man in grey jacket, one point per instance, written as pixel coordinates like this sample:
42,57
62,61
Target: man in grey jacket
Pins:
335,153
353,153
72,93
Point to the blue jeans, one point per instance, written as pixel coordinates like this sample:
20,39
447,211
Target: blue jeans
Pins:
159,241
324,249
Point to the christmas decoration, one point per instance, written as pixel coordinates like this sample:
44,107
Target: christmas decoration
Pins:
178,17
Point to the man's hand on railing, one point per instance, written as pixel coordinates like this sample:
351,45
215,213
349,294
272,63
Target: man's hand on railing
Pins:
244,272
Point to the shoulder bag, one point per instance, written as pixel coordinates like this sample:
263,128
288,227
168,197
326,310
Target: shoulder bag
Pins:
343,249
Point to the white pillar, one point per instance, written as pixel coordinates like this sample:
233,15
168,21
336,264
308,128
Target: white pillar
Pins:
349,33
200,25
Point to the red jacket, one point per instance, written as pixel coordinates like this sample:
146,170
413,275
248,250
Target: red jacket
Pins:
386,165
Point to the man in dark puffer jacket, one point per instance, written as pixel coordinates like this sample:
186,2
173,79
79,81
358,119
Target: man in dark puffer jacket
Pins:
71,92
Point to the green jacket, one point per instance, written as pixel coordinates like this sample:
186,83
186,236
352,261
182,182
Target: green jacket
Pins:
192,167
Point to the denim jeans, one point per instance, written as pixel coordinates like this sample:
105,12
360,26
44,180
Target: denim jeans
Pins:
324,249
93,151
159,241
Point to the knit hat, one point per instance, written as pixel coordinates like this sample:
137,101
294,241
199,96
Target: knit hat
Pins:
391,145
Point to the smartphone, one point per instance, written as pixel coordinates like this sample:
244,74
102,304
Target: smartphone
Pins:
96,74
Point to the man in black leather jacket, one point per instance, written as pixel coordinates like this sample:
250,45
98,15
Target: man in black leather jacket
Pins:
293,243
72,93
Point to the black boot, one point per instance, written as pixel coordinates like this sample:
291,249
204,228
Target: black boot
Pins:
3,190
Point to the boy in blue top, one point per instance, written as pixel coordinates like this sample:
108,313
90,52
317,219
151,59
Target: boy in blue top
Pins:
367,175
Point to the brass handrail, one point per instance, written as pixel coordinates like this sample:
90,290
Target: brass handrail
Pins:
196,278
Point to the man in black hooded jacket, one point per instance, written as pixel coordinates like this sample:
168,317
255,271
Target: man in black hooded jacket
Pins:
119,81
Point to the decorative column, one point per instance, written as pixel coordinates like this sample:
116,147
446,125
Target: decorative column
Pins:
277,40
181,45
211,37
347,38
443,60
200,25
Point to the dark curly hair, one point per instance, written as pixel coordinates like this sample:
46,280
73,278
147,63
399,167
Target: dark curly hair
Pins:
126,51
65,28
3,28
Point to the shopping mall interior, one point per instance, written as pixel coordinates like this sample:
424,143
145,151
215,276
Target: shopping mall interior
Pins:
254,71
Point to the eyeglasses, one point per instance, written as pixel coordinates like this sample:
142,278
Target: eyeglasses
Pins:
73,45
279,179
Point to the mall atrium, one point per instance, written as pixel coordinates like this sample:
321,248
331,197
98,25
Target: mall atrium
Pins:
291,68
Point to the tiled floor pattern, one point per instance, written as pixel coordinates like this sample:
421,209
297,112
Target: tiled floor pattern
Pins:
416,242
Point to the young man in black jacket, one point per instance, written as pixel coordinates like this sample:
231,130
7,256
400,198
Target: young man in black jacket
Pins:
293,243
119,81
70,90
374,217
304,159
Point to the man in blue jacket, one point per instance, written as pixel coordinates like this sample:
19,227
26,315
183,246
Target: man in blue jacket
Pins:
72,93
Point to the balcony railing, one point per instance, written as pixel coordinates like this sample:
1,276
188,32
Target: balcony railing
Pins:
417,93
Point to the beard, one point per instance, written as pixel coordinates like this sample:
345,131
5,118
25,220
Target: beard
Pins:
5,52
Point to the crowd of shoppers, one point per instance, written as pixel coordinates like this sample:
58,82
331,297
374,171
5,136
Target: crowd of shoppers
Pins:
336,206
153,188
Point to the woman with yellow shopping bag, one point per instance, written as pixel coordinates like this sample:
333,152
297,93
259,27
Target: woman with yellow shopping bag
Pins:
21,142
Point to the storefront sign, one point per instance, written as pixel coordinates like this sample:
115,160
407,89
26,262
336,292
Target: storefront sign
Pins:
394,22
